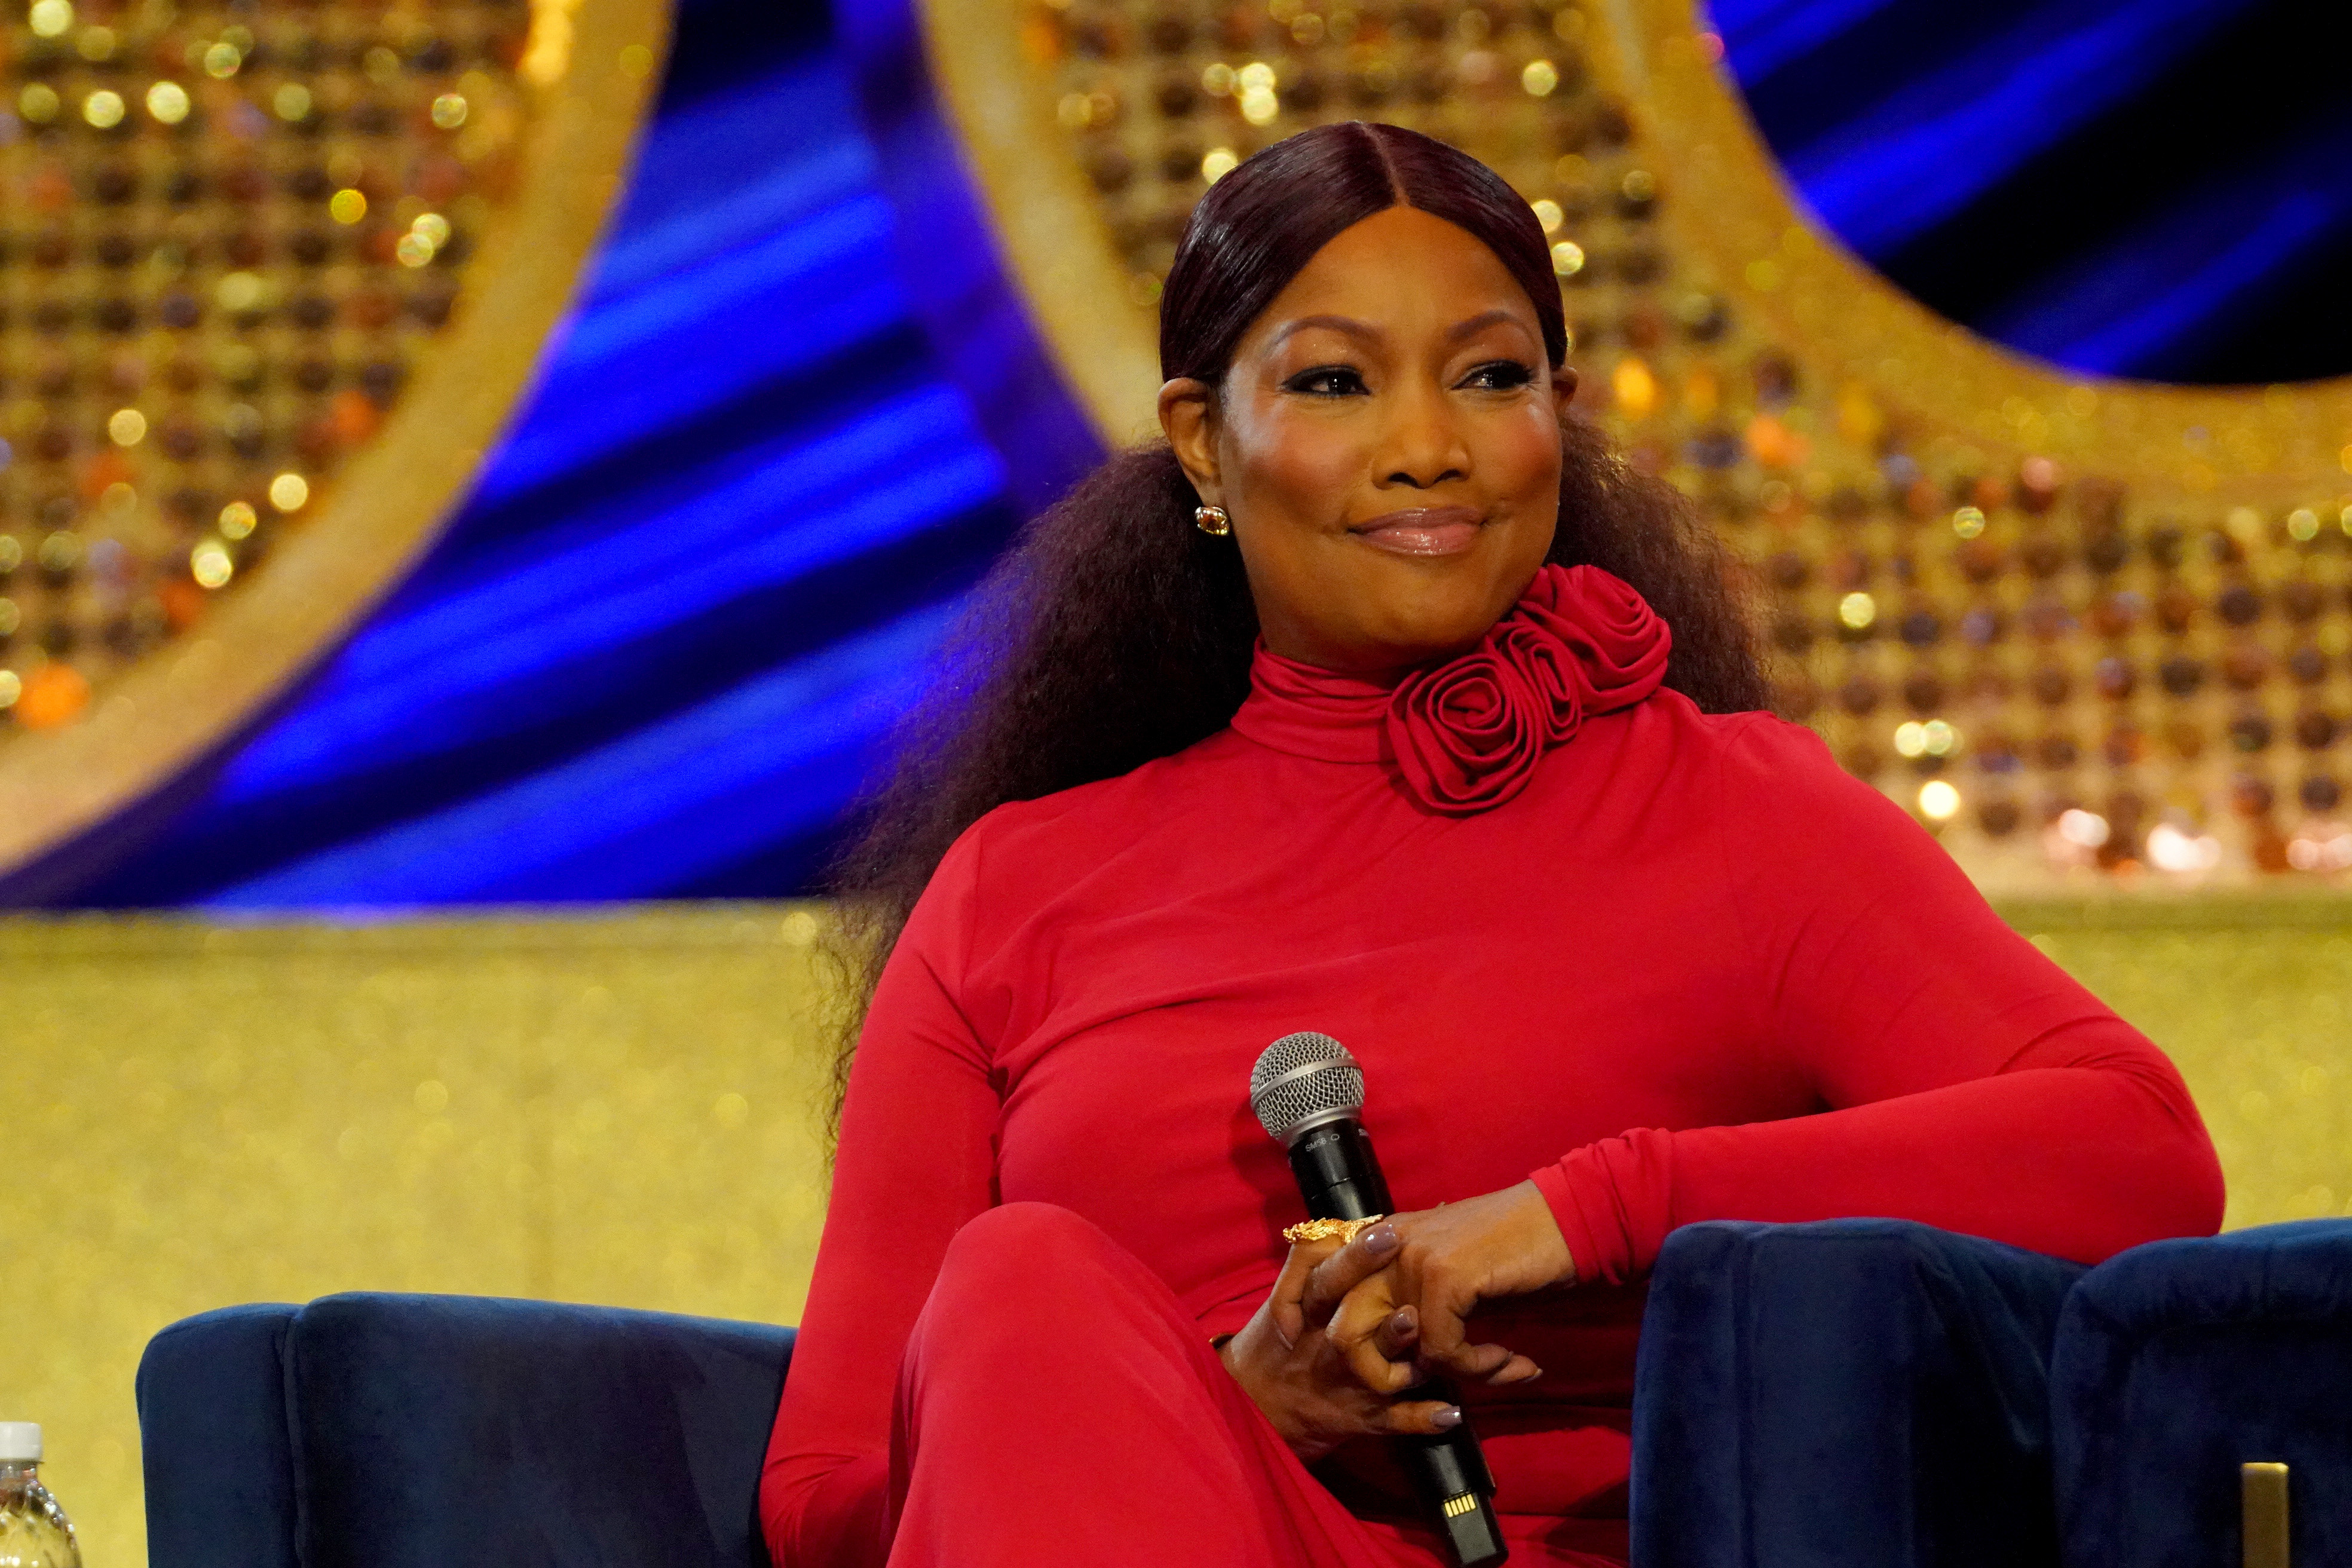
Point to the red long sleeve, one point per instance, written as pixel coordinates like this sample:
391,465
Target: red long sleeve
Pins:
1725,978
1975,1085
918,1160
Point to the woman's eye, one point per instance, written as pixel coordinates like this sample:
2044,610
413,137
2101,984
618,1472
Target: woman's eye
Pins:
1326,381
1500,375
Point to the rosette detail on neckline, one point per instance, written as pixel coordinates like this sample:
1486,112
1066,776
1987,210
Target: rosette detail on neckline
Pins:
1467,734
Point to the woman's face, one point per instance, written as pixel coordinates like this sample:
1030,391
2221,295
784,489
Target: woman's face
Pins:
1386,443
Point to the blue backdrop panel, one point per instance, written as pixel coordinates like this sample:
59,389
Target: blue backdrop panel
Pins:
657,652
2150,188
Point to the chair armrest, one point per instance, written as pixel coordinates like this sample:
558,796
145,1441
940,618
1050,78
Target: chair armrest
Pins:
214,1443
433,1430
1850,1393
2180,1361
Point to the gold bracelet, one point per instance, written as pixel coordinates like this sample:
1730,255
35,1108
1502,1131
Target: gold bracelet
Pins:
1340,1230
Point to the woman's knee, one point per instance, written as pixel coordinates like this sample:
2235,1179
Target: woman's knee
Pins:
1018,1245
1033,1295
1030,1260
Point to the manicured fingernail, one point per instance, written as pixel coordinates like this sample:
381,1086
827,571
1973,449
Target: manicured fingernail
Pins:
1450,1416
1381,1240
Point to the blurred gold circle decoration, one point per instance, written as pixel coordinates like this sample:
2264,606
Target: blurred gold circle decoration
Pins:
271,278
2110,620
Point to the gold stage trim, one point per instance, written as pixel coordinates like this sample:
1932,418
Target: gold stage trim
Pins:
1048,219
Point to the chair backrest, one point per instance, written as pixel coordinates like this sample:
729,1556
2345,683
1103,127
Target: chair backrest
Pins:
425,1431
215,1443
2180,1362
1846,1394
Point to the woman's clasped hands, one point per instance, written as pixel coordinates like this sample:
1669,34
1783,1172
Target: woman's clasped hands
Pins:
1347,1330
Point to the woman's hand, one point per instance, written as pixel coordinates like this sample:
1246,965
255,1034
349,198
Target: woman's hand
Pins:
1286,1363
1448,1260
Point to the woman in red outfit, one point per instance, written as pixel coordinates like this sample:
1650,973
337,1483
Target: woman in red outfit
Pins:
1383,700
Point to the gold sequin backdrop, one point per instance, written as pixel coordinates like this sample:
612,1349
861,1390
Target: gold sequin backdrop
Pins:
2006,595
271,276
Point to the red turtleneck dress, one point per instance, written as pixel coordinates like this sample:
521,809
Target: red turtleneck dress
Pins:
1678,966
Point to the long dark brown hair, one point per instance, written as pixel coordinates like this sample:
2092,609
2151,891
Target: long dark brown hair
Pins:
1116,632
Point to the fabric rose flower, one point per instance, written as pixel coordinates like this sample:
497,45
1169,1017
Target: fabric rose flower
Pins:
1467,734
1618,641
1550,668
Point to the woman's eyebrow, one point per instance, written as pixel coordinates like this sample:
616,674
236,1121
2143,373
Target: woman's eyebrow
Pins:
1347,324
1480,322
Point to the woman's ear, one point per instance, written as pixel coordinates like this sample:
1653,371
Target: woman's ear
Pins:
1563,388
1188,413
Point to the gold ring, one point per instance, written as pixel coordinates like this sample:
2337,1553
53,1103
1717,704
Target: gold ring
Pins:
1340,1230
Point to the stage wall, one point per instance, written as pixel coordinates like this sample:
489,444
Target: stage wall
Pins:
620,1108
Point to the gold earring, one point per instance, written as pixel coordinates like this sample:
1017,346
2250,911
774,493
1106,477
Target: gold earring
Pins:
1212,520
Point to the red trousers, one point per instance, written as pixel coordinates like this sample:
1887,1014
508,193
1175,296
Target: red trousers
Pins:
1057,1405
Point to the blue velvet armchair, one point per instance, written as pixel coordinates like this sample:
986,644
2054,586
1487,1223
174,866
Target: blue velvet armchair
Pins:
1848,1394
363,1431
2179,1362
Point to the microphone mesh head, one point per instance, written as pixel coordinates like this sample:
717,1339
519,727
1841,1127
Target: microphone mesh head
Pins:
1301,1076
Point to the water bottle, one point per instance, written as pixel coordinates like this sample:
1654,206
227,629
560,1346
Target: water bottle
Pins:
34,1530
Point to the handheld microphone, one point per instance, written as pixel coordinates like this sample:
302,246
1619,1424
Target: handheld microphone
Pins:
1308,1092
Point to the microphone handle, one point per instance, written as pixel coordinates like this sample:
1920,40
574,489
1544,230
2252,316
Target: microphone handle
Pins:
1340,1176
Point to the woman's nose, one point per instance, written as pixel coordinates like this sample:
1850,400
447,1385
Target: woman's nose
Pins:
1424,443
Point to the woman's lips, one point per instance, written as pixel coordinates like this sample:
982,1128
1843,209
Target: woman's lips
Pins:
1421,531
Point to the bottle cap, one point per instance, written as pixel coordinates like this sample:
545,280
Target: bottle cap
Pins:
20,1442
